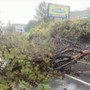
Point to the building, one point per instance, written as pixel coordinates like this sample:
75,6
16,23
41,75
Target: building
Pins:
19,27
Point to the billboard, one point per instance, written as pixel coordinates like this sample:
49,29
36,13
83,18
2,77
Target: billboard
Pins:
60,11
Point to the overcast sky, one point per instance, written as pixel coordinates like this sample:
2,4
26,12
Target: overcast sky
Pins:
21,11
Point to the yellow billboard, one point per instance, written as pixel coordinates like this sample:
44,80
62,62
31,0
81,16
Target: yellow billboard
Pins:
58,11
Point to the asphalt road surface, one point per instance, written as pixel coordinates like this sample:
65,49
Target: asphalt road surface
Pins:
81,66
70,83
83,69
79,81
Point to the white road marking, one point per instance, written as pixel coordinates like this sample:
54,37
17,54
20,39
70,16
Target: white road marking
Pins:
79,80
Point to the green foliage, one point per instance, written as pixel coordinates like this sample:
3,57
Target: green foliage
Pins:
44,87
16,48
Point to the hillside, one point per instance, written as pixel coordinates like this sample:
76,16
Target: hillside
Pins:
80,14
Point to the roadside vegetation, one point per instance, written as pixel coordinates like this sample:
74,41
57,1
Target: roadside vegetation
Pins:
28,56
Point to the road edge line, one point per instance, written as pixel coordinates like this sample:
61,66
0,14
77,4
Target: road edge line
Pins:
79,80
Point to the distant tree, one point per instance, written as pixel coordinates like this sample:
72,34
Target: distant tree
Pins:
1,24
0,31
41,11
30,25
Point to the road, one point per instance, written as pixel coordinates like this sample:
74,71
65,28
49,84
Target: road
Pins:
75,82
81,66
70,83
84,69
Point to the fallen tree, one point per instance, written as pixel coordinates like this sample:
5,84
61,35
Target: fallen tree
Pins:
67,60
